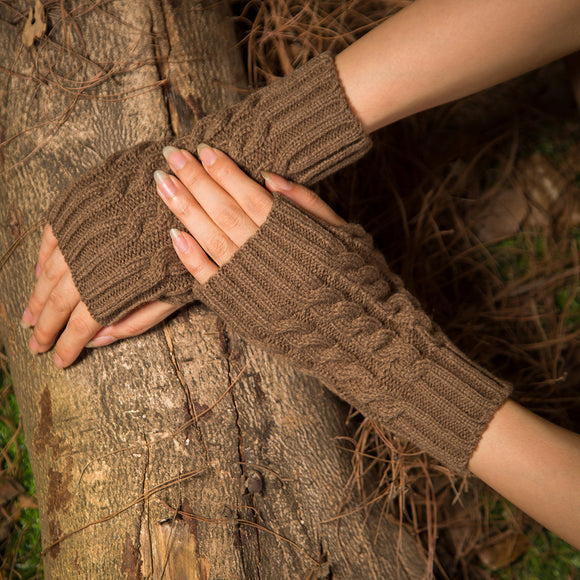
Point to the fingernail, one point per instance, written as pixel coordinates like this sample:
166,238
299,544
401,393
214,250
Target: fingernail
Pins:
207,155
33,345
38,271
175,157
276,182
58,361
179,240
26,321
101,341
165,185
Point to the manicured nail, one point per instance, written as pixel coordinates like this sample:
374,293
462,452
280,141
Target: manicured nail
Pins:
175,157
276,182
58,361
37,271
26,321
33,345
207,155
165,184
179,240
101,341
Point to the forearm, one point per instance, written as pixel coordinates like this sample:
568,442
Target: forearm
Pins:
433,52
535,465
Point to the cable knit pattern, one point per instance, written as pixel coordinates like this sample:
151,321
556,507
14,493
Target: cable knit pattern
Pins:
112,228
323,297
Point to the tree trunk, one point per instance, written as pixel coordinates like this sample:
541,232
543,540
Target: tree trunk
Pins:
183,453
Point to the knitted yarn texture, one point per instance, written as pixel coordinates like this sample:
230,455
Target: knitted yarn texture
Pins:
112,228
325,299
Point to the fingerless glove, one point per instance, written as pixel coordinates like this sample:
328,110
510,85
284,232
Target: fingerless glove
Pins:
323,297
112,227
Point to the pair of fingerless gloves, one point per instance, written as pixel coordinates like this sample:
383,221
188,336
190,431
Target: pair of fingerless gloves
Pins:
319,295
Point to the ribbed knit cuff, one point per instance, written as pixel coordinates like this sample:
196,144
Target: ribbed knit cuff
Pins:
321,297
453,402
301,126
311,117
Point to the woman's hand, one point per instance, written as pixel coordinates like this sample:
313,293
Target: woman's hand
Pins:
55,304
221,207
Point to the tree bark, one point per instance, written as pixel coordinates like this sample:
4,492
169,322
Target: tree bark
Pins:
183,453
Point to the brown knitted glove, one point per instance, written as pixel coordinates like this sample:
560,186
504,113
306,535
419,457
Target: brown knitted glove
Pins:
112,227
323,297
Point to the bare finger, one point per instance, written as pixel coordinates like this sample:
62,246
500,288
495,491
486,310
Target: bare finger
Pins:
193,256
61,302
221,205
218,245
54,269
254,200
304,198
135,323
80,329
47,246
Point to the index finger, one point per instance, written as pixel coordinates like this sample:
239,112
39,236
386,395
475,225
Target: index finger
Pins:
47,246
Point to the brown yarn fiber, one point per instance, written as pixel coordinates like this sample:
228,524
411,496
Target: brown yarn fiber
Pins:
112,228
324,298
320,295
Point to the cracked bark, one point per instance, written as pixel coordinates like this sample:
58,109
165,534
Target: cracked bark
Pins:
85,426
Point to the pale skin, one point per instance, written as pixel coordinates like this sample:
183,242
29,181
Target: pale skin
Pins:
427,54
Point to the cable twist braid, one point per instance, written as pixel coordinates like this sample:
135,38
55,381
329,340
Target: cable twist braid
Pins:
324,298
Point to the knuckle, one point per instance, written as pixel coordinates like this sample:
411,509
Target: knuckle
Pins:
218,246
229,218
260,205
190,175
35,304
43,335
51,273
57,302
311,199
132,329
182,207
65,352
78,326
43,255
196,268
222,170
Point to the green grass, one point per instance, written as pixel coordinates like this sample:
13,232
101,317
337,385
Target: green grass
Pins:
20,552
529,256
548,558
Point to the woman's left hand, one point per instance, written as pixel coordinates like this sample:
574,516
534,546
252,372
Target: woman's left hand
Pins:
62,320
221,207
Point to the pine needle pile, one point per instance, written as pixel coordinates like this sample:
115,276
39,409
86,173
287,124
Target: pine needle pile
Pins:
477,205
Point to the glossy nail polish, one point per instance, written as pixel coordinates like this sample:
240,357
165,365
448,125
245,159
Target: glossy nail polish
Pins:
165,184
207,154
175,157
276,182
26,321
179,240
101,341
